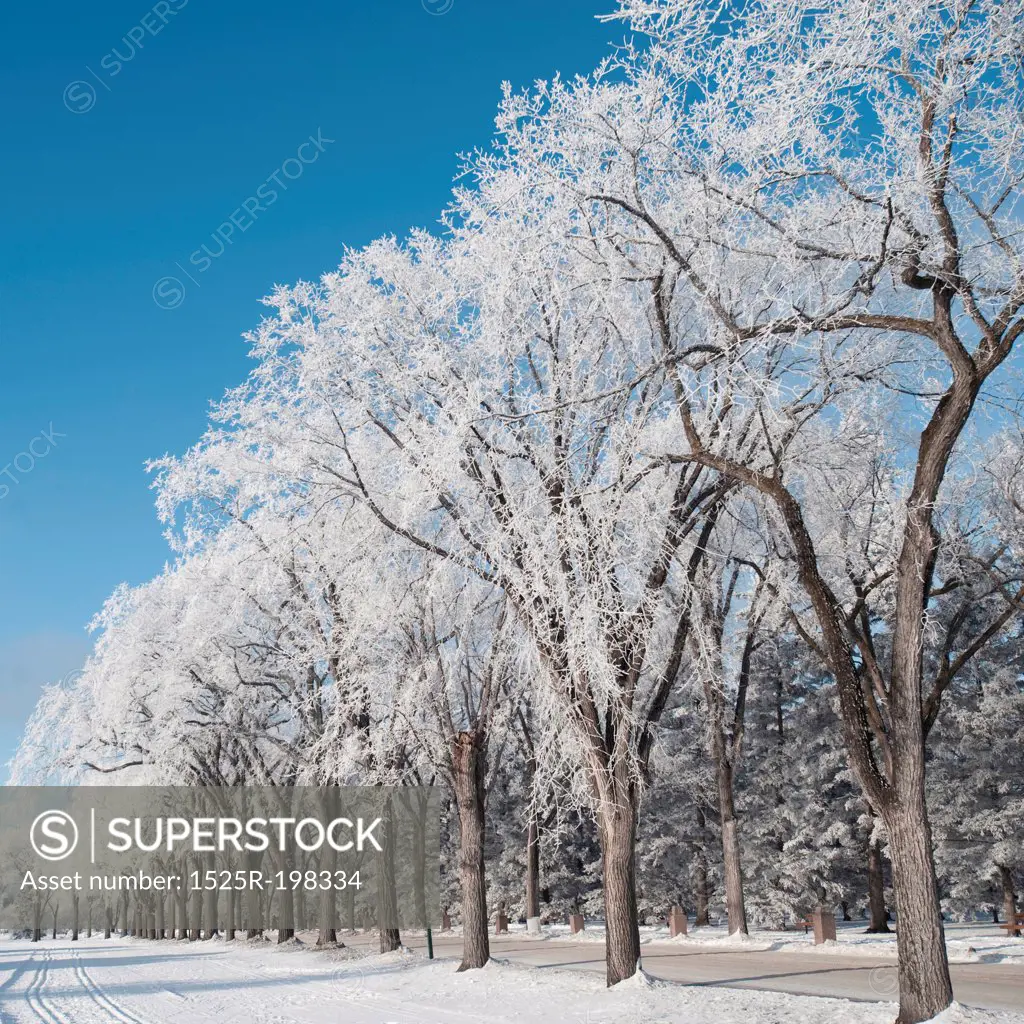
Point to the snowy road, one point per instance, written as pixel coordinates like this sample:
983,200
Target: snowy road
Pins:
993,986
138,982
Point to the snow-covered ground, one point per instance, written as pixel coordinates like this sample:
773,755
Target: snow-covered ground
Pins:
966,943
139,982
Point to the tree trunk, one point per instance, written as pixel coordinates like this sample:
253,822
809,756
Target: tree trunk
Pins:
74,924
725,750
617,824
532,870
350,908
210,909
254,925
468,764
195,924
182,914
1009,899
878,922
420,864
700,875
925,987
286,912
387,897
733,869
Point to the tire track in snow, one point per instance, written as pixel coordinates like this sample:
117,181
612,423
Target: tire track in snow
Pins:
96,993
37,1003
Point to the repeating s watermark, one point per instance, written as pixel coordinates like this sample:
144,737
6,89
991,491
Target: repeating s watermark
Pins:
80,95
69,681
54,835
437,7
24,462
169,290
884,981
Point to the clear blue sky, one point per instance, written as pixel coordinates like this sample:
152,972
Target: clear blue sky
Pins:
130,134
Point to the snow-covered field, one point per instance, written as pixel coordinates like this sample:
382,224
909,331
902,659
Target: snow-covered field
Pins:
138,982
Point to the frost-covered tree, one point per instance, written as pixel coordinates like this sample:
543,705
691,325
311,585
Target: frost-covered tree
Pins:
828,202
976,769
496,422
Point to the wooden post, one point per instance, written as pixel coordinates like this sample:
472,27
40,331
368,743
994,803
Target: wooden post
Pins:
676,922
501,923
575,923
824,926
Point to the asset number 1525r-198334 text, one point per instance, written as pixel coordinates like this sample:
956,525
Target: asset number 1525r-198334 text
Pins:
253,880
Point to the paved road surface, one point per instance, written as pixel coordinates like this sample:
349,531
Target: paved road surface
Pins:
992,986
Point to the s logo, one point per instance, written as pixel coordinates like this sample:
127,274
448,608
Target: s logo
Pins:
54,835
